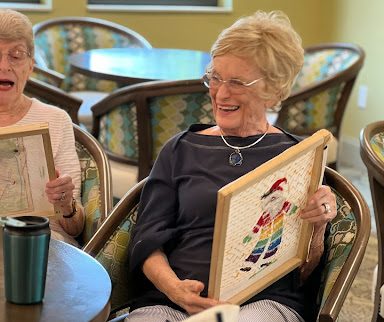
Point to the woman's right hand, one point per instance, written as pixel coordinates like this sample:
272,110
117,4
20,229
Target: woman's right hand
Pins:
186,294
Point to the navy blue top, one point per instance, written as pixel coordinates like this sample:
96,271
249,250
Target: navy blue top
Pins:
178,206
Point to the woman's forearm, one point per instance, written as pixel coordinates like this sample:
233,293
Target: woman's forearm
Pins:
156,268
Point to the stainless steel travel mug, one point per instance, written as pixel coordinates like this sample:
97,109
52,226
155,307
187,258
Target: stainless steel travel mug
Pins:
25,252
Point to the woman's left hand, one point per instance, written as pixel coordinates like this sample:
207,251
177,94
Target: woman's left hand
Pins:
60,191
321,208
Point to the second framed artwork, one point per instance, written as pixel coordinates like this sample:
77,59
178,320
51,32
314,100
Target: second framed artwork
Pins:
26,165
259,236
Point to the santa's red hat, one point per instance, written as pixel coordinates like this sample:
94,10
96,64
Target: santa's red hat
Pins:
275,186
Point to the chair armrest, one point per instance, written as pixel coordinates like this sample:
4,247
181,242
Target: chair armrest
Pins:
48,75
54,96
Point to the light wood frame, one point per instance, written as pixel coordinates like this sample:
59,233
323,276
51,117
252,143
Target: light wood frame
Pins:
237,207
39,138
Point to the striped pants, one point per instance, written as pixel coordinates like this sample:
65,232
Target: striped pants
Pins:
260,311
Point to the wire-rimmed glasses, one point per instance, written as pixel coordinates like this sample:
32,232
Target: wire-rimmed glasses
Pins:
235,85
16,56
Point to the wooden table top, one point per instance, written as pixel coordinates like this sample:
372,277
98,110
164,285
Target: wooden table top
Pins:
134,65
77,289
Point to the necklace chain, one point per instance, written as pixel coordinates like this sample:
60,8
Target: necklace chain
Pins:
238,148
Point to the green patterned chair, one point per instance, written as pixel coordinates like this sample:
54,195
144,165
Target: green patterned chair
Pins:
134,122
345,245
321,92
372,154
96,185
57,38
110,244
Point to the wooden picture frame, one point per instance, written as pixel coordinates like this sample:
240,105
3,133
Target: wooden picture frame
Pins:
26,165
258,235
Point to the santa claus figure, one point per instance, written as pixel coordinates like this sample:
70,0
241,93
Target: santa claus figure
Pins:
270,225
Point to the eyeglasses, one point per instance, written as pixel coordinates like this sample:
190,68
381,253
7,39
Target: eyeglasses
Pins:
235,85
16,56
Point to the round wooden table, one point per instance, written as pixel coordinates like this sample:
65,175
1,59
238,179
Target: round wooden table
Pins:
77,289
134,65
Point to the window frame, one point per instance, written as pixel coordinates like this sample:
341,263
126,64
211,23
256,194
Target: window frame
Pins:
222,6
194,3
40,5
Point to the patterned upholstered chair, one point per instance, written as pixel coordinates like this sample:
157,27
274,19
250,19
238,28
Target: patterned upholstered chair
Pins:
321,92
372,154
345,245
96,185
134,122
110,244
56,39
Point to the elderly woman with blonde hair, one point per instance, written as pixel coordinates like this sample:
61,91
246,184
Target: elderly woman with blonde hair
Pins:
16,65
254,64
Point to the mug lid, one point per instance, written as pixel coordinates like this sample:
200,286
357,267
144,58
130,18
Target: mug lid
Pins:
27,222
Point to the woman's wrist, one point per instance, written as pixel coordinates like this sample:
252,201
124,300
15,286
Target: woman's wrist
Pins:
73,210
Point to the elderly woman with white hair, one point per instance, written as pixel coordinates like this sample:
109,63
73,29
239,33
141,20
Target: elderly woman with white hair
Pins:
16,65
254,64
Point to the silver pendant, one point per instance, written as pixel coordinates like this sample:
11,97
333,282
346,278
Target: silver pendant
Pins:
235,158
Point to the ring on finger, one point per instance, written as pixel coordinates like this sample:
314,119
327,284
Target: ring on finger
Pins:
62,198
327,207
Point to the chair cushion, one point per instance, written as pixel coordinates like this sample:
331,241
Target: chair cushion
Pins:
124,177
170,115
90,192
118,131
114,257
377,144
321,64
337,245
318,111
314,113
174,113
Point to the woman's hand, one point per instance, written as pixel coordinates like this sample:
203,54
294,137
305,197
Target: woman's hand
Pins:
185,293
321,208
60,192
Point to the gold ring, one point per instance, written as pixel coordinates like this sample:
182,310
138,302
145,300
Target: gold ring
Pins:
327,207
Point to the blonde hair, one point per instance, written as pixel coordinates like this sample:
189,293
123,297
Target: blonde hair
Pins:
269,41
16,26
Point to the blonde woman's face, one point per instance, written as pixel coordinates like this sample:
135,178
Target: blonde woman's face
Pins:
15,67
238,111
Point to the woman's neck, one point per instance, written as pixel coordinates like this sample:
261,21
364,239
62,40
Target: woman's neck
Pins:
12,113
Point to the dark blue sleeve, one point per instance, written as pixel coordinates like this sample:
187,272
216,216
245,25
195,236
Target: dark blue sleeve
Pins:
156,221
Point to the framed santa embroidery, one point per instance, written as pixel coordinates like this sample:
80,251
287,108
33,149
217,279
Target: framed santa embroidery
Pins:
258,235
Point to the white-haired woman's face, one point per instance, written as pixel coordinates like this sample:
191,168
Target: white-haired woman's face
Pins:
16,66
238,110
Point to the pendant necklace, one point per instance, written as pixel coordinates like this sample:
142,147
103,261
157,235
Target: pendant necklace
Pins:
236,158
